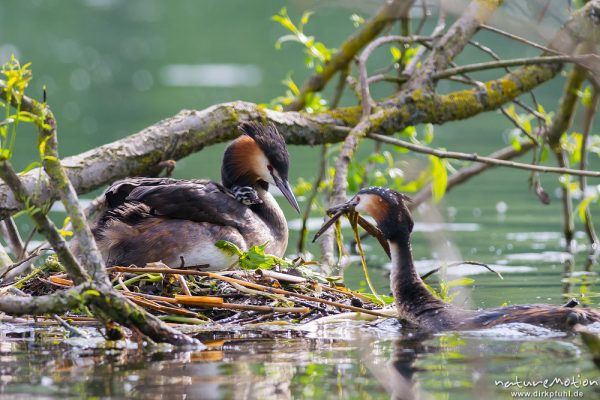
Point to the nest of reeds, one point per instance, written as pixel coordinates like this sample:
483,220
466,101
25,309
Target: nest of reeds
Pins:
277,290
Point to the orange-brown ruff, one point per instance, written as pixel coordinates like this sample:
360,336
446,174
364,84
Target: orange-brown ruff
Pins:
416,304
175,221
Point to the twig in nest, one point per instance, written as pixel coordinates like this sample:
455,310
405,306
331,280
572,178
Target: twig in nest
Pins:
34,254
244,283
154,306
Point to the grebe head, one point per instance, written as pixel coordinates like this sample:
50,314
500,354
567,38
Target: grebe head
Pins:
260,156
388,209
386,206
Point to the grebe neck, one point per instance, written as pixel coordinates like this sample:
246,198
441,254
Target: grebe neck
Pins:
411,296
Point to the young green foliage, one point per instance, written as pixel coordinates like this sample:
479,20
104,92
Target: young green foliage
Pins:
16,78
317,53
254,258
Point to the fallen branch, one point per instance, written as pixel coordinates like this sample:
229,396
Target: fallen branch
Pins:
56,303
9,230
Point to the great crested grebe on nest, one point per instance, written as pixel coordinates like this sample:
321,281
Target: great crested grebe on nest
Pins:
414,302
170,220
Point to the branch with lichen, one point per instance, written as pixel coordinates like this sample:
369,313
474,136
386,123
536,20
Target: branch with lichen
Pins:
43,224
55,303
105,303
87,250
445,49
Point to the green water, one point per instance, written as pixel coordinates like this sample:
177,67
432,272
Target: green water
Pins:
105,64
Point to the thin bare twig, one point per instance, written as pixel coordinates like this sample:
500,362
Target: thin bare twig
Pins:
437,31
518,125
13,238
312,197
456,264
519,39
366,99
491,53
32,255
481,159
424,17
583,58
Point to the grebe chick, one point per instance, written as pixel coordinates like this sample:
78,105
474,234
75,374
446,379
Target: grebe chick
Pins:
414,302
173,220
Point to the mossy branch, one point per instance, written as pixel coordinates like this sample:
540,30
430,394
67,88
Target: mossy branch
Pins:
87,250
42,222
105,303
55,303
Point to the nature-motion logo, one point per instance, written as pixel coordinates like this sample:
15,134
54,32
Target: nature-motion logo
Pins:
576,382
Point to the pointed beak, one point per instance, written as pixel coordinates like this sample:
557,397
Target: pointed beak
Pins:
348,208
335,213
284,187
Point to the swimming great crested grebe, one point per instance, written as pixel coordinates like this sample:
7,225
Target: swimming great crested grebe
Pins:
171,220
414,302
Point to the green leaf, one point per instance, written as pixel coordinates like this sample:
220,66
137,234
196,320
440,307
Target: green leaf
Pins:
585,203
255,258
27,117
586,97
396,53
460,282
291,85
515,138
305,17
42,145
229,248
357,20
386,299
440,178
31,166
5,154
428,133
544,153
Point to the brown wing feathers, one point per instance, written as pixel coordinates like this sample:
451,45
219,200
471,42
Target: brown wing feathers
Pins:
199,201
